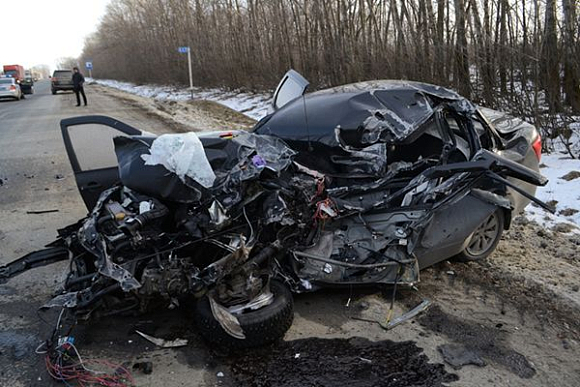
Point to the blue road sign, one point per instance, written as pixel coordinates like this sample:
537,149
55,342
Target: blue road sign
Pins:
89,65
183,50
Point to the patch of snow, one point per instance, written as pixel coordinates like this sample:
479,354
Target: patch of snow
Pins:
566,194
254,105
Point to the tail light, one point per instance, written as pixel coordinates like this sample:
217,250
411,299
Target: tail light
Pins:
12,88
537,146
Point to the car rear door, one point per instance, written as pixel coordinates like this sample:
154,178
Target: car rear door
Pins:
88,141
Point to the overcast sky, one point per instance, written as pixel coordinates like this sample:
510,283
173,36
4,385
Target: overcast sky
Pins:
34,32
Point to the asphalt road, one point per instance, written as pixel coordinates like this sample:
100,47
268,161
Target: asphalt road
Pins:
35,175
32,155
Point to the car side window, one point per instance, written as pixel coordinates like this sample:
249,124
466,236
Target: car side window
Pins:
93,146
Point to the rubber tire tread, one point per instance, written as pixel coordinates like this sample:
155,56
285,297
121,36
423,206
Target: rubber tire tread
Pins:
464,256
261,327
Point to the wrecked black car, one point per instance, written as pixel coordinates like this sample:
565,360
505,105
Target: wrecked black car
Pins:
361,184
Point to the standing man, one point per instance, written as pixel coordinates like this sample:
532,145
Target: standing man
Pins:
78,83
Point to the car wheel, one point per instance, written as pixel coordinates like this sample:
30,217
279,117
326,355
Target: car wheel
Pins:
261,326
53,92
484,239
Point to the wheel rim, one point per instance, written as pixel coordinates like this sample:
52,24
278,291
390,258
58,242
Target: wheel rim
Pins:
484,236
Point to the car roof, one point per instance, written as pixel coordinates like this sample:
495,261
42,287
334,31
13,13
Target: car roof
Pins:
383,107
392,84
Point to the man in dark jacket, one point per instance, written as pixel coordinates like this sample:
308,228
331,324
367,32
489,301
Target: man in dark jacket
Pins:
78,83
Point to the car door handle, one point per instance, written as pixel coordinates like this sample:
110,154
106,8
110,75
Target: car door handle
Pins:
93,184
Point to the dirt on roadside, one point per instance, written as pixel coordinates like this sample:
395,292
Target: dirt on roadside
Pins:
193,115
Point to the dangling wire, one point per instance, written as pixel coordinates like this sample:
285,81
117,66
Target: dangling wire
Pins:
251,239
391,308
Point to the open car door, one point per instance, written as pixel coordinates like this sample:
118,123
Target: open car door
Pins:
292,86
89,145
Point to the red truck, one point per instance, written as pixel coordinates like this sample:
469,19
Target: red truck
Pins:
17,72
14,71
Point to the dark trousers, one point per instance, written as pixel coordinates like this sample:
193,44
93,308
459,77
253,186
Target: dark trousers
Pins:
81,90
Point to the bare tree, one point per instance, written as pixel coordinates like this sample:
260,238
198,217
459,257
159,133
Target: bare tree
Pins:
571,55
66,63
514,53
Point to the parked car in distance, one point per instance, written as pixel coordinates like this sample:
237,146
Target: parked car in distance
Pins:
9,88
61,80
27,85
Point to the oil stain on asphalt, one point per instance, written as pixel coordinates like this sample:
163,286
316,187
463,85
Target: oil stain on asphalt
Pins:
335,362
481,341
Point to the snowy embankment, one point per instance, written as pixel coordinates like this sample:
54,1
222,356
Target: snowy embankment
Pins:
563,190
251,104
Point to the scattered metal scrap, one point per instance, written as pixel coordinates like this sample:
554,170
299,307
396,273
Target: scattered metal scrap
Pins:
162,342
423,306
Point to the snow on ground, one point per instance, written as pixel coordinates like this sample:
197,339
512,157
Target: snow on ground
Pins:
254,105
563,191
564,194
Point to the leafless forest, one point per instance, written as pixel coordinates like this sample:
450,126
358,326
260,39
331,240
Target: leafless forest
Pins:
521,55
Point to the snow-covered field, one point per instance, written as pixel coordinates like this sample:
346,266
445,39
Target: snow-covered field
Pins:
564,193
250,104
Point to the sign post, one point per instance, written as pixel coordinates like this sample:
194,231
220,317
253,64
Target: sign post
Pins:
89,66
183,50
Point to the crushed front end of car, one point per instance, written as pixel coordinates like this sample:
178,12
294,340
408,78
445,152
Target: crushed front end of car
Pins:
401,181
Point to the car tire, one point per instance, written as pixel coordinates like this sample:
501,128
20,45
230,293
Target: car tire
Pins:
262,326
53,91
483,241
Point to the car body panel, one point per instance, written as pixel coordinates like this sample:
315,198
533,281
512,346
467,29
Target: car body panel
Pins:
517,136
91,182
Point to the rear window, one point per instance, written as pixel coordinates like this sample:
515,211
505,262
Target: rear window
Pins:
62,74
11,72
5,81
